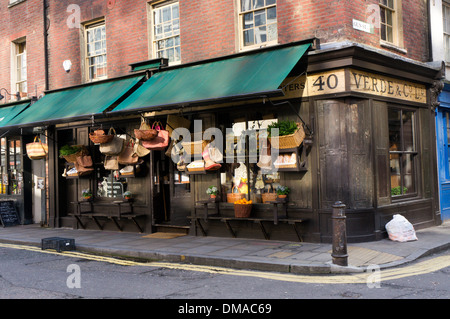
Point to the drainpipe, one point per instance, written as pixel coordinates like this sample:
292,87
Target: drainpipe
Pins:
45,44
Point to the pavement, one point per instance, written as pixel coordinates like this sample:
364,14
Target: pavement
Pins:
251,254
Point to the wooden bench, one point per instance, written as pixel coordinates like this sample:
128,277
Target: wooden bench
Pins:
259,221
125,210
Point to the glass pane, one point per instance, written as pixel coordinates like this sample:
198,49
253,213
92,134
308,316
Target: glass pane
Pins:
157,16
260,35
389,17
394,130
260,18
270,2
383,2
166,14
177,40
258,4
249,37
409,180
390,4
271,15
167,29
408,131
272,32
175,12
383,15
246,5
176,26
248,20
390,37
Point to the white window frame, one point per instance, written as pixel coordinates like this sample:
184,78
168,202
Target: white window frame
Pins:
172,37
104,52
446,30
19,68
252,9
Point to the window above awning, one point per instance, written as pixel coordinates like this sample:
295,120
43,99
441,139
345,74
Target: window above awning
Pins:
255,74
76,103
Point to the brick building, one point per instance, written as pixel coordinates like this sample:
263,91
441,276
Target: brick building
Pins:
359,82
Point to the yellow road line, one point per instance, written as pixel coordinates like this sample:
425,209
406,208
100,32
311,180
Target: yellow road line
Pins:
419,268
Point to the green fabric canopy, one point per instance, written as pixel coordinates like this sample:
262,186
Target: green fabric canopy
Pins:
79,102
8,112
240,76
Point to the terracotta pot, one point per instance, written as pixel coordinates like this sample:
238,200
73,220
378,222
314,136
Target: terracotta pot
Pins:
212,196
282,196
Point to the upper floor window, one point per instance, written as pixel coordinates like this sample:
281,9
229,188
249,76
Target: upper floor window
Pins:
391,22
166,32
95,51
258,22
19,76
446,18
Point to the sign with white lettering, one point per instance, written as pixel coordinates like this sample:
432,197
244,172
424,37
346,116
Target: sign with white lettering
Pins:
350,80
362,26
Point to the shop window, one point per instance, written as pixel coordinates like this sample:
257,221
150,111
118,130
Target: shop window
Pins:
11,166
247,175
258,22
166,32
402,152
95,51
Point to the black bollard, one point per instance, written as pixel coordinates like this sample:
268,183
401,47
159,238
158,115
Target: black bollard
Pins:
339,254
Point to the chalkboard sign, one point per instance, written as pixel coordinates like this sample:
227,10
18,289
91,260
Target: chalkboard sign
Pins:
8,213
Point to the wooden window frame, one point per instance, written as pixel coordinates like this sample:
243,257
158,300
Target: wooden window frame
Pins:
17,82
397,26
86,28
241,13
154,41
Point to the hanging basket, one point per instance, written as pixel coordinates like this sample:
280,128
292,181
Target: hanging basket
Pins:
289,141
99,137
145,132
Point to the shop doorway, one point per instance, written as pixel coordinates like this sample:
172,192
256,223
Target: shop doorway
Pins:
171,192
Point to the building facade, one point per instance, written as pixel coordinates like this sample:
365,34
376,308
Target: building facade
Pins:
355,75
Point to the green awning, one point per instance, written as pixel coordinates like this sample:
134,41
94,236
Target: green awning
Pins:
75,103
9,111
256,73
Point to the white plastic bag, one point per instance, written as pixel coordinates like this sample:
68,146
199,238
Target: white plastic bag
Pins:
400,229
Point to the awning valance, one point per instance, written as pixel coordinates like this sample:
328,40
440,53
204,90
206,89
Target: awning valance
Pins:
75,103
258,73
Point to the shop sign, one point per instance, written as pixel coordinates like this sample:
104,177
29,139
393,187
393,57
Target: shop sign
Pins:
350,80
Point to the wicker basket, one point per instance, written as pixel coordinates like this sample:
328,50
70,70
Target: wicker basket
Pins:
242,210
232,197
145,135
99,137
268,197
289,141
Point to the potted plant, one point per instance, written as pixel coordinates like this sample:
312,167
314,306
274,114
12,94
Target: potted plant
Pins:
86,193
282,191
212,191
127,195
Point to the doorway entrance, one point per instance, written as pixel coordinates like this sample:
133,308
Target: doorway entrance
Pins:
171,191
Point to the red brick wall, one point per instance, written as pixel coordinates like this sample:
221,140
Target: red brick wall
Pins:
22,20
126,37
